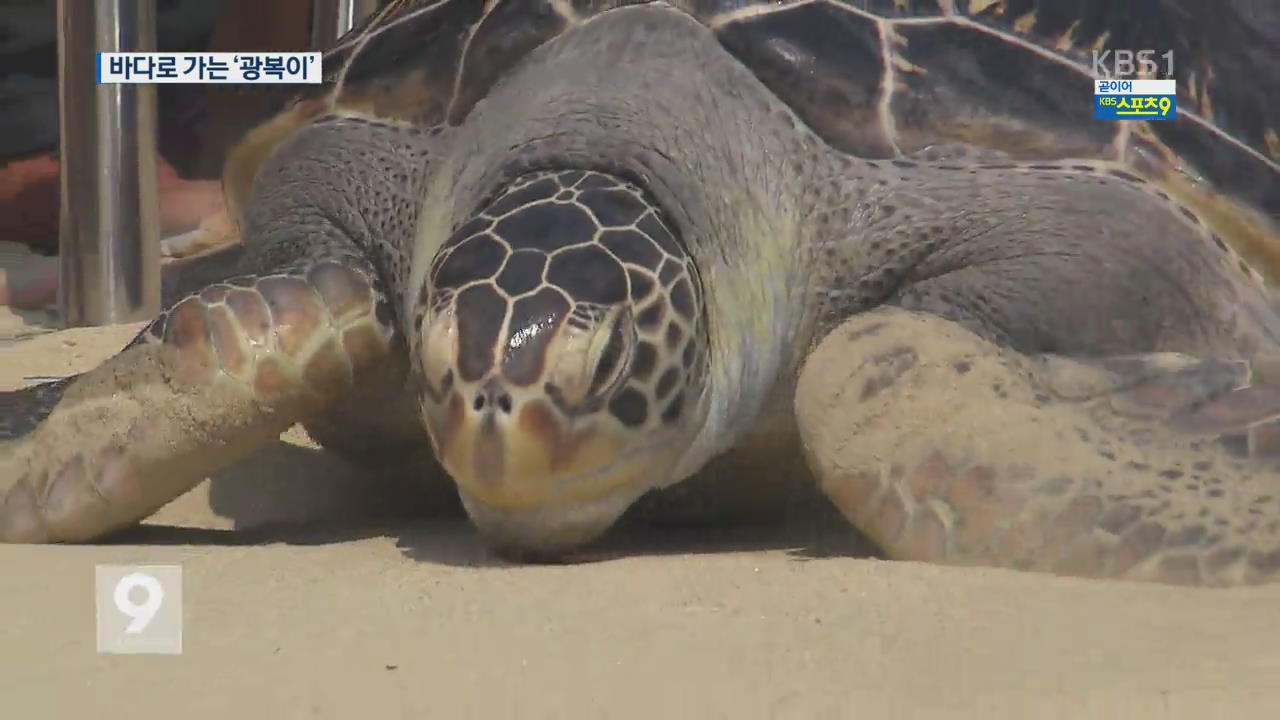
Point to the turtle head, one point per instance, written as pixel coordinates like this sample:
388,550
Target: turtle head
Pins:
563,354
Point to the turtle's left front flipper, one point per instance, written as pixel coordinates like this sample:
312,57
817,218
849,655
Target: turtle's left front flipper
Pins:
220,373
943,447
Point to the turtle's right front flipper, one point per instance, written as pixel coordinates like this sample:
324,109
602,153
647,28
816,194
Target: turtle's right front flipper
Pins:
334,206
217,375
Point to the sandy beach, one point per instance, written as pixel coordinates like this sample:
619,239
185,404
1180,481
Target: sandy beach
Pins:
314,588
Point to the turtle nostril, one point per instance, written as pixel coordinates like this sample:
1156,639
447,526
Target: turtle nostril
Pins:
492,396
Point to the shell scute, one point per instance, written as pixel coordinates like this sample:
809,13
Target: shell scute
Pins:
504,36
959,83
889,79
405,67
826,63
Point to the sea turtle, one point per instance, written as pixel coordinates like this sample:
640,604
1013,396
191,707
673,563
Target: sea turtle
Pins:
591,245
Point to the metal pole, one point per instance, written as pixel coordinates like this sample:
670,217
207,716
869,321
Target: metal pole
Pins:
109,241
331,19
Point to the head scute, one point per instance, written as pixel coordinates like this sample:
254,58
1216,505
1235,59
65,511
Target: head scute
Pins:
567,293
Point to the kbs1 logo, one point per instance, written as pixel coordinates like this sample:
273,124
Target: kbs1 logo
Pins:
1119,95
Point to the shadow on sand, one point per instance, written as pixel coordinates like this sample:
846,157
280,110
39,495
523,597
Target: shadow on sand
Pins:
296,495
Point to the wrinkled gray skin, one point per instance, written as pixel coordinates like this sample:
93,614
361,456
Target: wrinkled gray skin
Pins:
776,219
790,236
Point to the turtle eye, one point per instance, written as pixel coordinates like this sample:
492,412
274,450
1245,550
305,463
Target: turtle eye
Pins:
594,357
613,359
439,346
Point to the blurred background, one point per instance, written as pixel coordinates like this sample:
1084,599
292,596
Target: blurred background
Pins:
196,125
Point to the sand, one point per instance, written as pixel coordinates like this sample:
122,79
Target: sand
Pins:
309,591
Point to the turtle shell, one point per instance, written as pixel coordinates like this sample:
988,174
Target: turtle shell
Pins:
892,79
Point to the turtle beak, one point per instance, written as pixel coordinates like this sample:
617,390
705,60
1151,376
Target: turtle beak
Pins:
534,482
547,533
